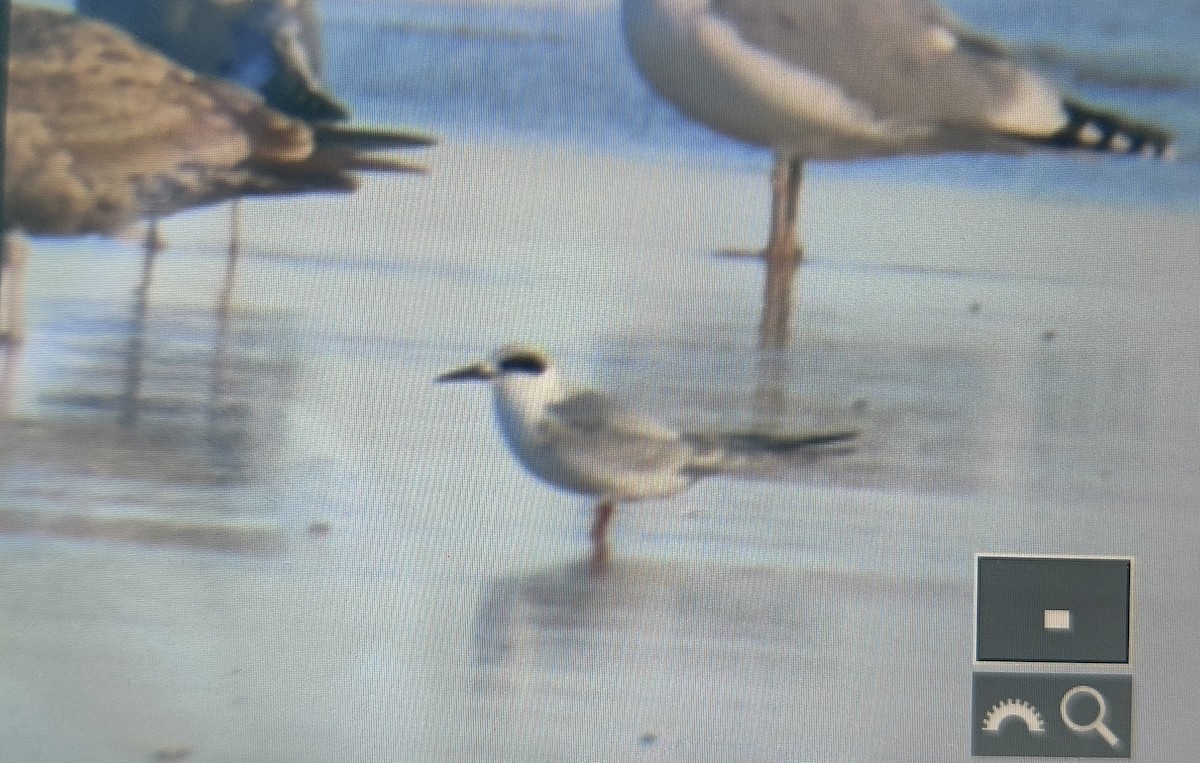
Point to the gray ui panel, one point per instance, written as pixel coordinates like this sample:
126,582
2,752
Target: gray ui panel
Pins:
1052,609
1052,715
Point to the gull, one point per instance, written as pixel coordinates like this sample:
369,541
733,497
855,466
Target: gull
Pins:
849,79
586,442
270,46
273,47
103,132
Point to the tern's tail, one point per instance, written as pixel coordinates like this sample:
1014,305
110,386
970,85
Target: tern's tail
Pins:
745,451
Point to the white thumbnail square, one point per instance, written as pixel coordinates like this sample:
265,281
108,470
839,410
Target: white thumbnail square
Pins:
1058,619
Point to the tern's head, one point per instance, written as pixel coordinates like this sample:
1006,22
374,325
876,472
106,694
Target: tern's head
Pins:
518,371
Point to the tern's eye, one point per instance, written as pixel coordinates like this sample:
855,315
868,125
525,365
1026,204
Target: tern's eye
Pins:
523,363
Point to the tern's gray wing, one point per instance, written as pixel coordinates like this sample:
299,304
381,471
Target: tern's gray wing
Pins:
907,61
615,449
595,413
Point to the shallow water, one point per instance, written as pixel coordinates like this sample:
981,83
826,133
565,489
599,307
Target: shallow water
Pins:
270,536
266,535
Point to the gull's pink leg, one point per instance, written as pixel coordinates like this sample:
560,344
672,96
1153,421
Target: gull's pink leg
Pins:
783,254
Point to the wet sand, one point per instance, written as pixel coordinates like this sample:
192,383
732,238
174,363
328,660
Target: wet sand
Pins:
273,538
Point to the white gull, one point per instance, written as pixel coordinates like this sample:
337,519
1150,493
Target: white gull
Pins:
849,79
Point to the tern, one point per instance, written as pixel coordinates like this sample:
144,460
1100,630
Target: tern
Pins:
850,79
586,442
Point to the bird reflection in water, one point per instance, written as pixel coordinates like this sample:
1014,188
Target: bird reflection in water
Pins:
564,617
10,366
170,423
131,399
215,402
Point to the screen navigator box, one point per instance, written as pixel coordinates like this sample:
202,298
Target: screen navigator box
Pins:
1036,613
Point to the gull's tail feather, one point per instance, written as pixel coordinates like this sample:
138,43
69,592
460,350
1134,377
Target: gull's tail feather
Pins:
345,151
326,169
1094,129
358,162
726,452
365,137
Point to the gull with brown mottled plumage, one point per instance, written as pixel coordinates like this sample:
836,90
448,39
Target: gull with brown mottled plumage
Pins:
103,132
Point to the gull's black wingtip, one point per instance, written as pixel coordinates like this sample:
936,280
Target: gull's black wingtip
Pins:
1090,128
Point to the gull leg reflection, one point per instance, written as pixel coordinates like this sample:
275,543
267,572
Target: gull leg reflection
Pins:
771,387
131,391
774,330
10,365
219,380
12,288
235,250
131,397
135,359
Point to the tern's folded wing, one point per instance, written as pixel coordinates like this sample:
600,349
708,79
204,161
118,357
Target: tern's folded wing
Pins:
615,448
594,413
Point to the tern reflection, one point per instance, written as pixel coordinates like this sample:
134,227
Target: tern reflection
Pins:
563,618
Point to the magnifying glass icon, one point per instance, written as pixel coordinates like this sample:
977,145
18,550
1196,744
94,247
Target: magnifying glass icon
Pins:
1097,723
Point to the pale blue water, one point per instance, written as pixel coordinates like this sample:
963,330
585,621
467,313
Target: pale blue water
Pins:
563,75
270,536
